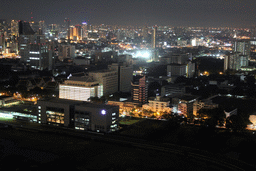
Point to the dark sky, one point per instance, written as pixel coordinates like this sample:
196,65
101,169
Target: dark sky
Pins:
213,13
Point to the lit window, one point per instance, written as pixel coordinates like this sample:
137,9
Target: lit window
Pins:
113,114
39,114
39,107
39,111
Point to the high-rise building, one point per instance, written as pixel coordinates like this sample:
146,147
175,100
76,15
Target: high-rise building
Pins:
39,56
26,38
242,46
240,57
153,38
77,32
235,60
67,28
140,90
125,75
84,30
106,78
14,28
145,33
42,27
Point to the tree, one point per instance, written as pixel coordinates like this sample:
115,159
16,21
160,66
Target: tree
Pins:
166,115
236,123
214,116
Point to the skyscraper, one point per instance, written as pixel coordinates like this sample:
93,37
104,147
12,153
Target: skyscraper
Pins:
26,37
77,33
153,38
84,30
67,28
14,28
125,74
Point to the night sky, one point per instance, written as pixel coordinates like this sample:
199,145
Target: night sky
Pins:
205,13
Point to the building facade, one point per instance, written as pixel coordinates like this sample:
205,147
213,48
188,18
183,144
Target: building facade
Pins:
140,90
78,115
108,79
80,88
158,104
125,75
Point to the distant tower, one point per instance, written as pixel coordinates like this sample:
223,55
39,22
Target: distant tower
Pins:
78,32
67,28
153,39
84,30
14,28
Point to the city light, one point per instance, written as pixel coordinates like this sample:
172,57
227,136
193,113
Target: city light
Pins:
144,54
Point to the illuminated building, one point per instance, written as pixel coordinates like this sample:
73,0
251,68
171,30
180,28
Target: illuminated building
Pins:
108,79
185,105
42,27
140,90
153,38
125,75
8,101
80,88
84,30
124,106
26,37
14,28
3,34
158,104
78,115
77,32
39,56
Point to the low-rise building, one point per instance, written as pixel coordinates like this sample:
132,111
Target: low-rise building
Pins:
80,88
158,104
124,106
78,115
185,105
8,100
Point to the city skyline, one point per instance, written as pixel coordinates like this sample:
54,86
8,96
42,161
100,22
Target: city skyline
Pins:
202,13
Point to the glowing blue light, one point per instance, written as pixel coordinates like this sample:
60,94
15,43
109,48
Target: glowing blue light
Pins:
103,112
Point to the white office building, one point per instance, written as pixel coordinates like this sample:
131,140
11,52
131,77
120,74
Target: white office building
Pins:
80,88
